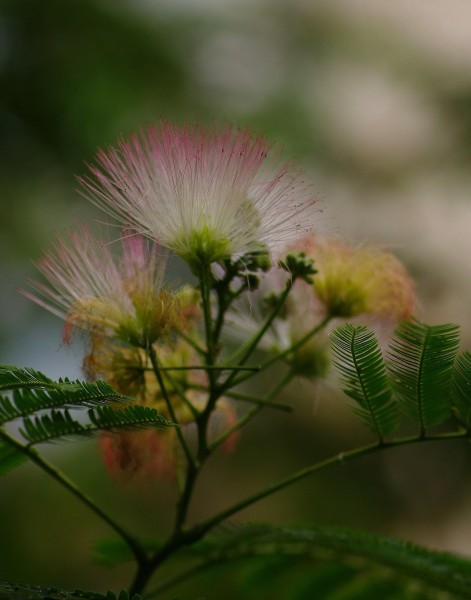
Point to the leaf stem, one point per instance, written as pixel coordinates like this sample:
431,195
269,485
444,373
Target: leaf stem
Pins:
249,415
211,368
339,458
64,481
262,402
185,538
153,358
190,341
271,361
252,344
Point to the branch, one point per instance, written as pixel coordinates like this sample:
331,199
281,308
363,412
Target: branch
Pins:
342,458
69,485
271,361
181,437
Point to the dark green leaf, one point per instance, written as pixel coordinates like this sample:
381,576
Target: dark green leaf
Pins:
421,362
12,378
462,388
130,417
366,560
63,394
363,373
52,426
59,424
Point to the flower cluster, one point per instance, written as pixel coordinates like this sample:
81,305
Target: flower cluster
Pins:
360,280
350,282
221,200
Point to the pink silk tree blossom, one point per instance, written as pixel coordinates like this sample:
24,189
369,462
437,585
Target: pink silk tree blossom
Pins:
207,194
91,289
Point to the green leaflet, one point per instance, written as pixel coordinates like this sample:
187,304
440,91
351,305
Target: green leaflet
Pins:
420,363
364,376
462,388
59,394
352,564
12,378
43,405
418,369
132,416
60,424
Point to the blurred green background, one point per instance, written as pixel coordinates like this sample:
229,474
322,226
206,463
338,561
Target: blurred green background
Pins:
373,98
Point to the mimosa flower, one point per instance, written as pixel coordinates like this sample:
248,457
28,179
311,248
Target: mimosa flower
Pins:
207,194
361,280
92,290
145,454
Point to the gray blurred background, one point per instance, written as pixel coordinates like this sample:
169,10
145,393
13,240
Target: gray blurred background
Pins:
372,97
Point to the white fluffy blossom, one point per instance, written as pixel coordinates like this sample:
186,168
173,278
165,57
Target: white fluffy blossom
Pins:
207,194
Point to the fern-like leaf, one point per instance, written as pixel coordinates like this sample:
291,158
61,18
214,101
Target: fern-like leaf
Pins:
363,372
59,424
12,378
61,394
421,363
361,553
462,388
52,426
134,416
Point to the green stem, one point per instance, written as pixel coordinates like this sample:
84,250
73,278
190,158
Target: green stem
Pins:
254,341
195,368
64,481
185,538
245,398
185,499
206,302
153,358
271,361
252,413
340,458
262,402
297,344
211,354
181,392
211,368
223,304
192,343
178,537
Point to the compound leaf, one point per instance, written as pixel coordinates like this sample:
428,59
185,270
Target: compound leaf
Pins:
363,373
461,388
421,366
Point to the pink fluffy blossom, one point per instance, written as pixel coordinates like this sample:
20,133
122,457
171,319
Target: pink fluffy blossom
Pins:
90,288
205,193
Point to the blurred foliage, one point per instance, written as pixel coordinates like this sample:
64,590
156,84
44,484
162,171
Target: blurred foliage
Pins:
307,562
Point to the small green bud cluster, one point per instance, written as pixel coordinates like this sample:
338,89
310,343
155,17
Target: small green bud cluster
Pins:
299,266
245,270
